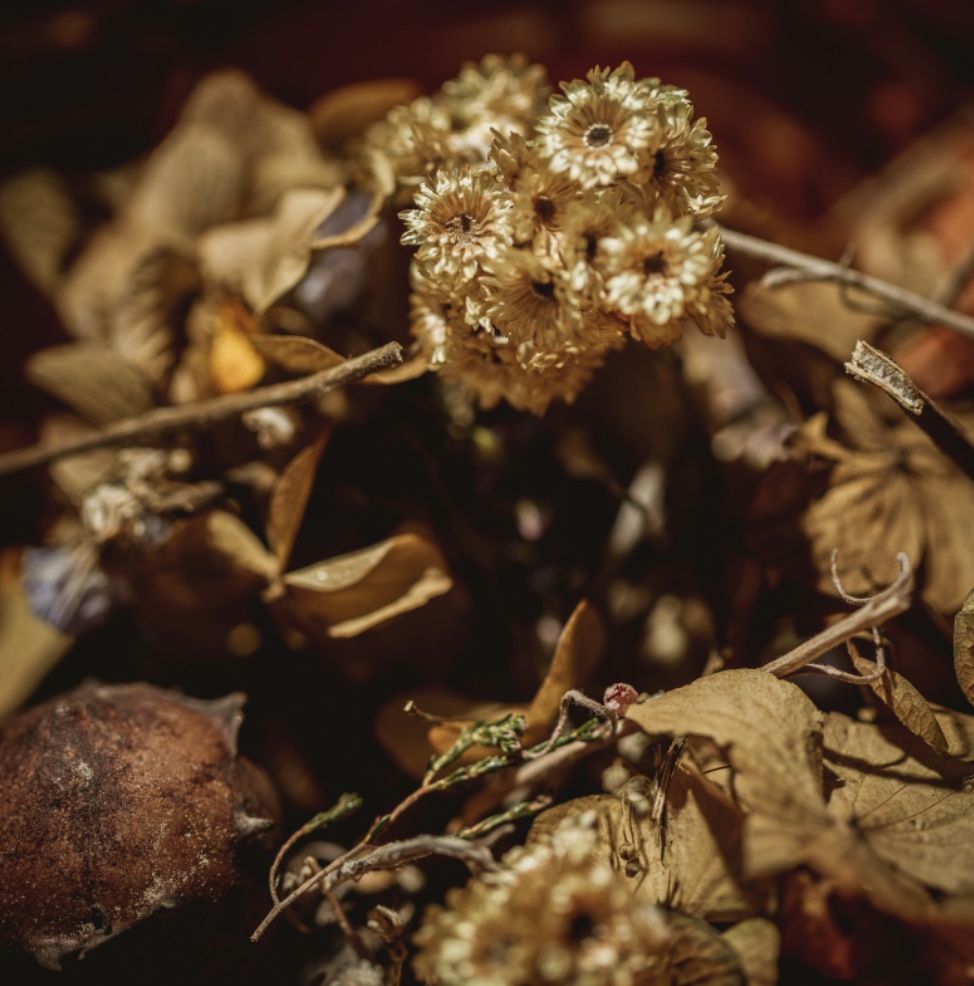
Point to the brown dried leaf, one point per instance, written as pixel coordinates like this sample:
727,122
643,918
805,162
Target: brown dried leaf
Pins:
690,859
39,221
29,647
889,490
800,311
577,653
756,942
290,498
958,729
899,811
193,181
353,593
264,258
296,354
99,384
903,700
771,734
964,647
348,111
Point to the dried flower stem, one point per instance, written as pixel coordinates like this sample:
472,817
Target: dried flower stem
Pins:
200,414
874,366
892,601
817,269
476,856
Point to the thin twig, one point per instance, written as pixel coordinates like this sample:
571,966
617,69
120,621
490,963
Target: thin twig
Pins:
815,268
390,856
892,601
874,366
200,414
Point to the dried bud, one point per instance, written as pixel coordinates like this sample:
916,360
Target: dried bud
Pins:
619,697
121,801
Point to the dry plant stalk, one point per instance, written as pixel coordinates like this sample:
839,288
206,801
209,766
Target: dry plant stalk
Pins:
200,414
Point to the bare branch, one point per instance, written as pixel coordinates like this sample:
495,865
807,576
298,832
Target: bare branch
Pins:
892,601
874,366
811,268
200,414
477,858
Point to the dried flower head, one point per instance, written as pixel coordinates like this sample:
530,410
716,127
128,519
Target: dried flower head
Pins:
596,132
461,219
567,233
549,915
660,271
679,169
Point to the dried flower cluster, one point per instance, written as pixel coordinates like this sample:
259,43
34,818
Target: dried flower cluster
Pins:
548,231
549,915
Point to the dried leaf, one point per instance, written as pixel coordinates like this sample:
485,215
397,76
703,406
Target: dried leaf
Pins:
92,379
689,859
756,942
917,822
290,497
296,354
958,729
29,647
577,653
698,954
799,312
771,733
353,593
264,258
903,700
192,182
40,222
146,319
348,111
964,647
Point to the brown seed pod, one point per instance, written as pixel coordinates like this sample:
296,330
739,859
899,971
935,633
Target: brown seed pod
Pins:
116,802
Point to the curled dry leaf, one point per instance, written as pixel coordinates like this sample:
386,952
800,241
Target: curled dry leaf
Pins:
964,647
577,654
296,354
903,700
290,498
348,111
350,594
264,258
771,734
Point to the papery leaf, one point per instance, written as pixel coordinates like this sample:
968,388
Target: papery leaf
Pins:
29,647
264,258
917,822
192,182
771,734
40,223
958,730
698,954
756,942
577,653
348,111
353,593
145,319
688,859
964,647
296,354
95,381
903,700
290,497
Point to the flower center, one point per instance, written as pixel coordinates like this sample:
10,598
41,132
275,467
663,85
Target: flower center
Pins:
544,209
543,289
598,135
463,227
659,164
581,927
655,263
